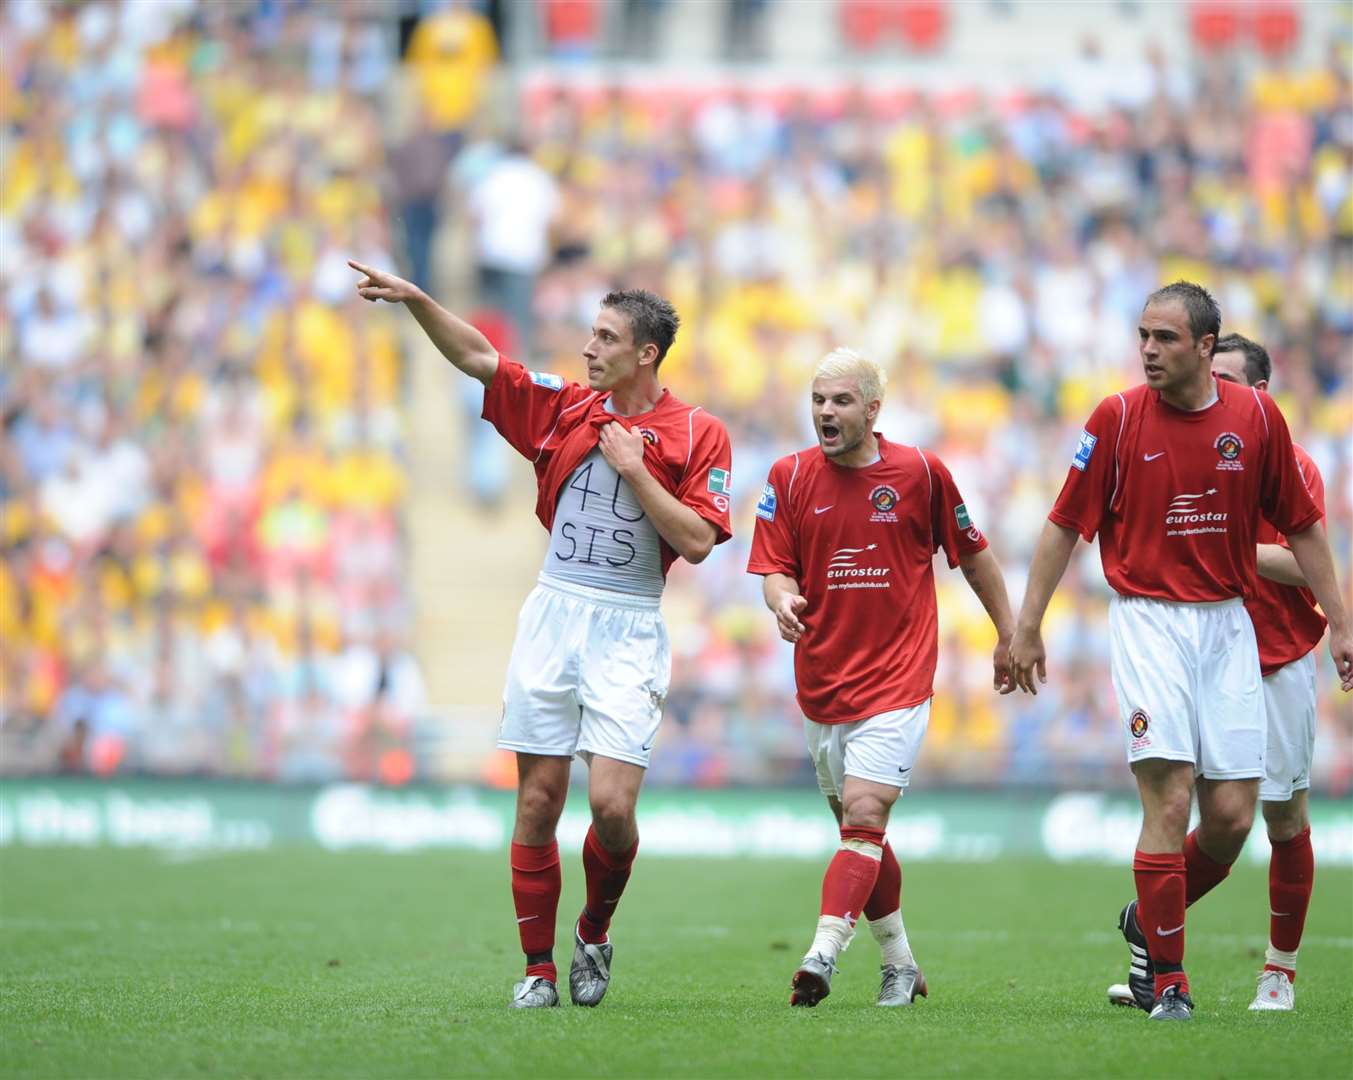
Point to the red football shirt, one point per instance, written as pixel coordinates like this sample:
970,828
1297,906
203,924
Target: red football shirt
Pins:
554,424
859,542
1286,620
1176,496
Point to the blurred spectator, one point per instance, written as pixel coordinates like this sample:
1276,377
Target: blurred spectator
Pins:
197,422
451,53
418,171
513,206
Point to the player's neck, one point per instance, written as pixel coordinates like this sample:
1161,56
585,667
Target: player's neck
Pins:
1196,394
861,456
631,399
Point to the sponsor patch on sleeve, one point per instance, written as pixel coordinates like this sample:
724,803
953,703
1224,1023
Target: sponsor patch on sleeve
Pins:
765,506
720,482
1084,450
548,380
961,516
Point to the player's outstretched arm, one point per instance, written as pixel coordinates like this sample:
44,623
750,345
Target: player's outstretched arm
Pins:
1277,563
458,341
1312,552
1026,647
782,596
983,574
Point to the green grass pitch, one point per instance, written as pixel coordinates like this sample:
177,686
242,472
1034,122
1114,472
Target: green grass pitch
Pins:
297,963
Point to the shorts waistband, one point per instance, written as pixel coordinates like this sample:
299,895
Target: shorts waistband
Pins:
633,601
1233,601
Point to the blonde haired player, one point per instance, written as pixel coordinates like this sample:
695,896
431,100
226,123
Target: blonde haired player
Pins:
845,537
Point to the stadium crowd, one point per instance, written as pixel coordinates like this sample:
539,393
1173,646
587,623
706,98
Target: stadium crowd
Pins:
201,472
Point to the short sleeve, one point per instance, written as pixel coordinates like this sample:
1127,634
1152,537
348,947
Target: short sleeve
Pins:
1315,485
775,548
1284,500
525,406
1086,494
707,484
951,525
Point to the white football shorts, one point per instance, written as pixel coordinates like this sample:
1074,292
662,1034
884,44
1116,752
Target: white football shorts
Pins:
588,675
1289,696
880,748
1188,684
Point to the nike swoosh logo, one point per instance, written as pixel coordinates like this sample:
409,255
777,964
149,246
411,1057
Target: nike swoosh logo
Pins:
1152,457
822,509
1167,933
902,770
526,918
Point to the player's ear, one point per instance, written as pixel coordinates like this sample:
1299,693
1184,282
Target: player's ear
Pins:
648,354
1206,344
871,411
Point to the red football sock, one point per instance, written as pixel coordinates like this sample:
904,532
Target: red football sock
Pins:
851,875
1291,876
1203,871
887,895
1161,885
607,873
536,883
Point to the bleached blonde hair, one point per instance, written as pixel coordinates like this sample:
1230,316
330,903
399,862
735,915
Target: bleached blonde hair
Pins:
843,363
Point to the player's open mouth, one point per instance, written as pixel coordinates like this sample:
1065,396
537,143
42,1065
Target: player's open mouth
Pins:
1154,369
829,432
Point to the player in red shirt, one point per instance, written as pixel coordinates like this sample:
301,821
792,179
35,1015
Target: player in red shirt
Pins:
629,480
1173,476
1288,627
845,537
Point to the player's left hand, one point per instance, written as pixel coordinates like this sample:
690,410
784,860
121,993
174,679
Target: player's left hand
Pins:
1003,679
623,448
1341,648
1027,656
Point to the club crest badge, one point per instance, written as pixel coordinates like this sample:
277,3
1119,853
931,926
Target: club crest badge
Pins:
883,499
1228,447
1138,724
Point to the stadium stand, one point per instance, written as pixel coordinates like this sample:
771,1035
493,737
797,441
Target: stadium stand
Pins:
205,473
203,481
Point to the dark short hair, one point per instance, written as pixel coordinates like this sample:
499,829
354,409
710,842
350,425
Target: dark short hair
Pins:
1204,314
1258,367
653,320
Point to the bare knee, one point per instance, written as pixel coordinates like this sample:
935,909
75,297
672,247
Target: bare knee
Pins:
865,811
1223,837
1166,790
540,801
1171,812
1226,810
613,820
1284,820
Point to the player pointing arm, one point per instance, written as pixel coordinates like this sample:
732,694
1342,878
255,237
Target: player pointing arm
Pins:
629,480
458,341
